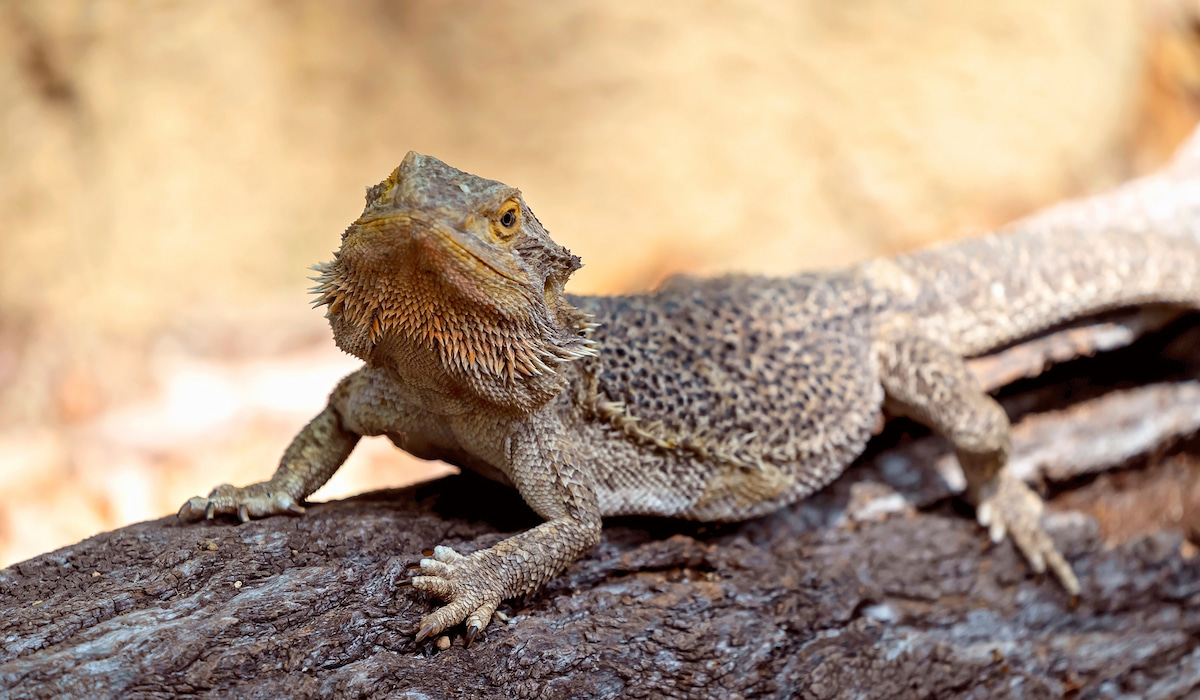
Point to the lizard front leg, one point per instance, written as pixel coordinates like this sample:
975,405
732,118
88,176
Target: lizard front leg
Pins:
313,456
545,473
931,384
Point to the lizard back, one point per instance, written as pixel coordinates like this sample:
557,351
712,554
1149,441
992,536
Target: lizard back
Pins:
764,389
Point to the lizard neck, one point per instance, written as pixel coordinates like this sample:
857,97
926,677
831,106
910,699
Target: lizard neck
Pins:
457,361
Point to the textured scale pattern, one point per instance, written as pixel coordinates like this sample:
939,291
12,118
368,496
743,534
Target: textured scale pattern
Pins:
976,307
752,375
711,399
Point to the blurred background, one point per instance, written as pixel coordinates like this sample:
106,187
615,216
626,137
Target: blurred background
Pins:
169,169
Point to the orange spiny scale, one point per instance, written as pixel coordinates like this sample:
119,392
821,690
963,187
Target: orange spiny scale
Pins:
499,367
525,364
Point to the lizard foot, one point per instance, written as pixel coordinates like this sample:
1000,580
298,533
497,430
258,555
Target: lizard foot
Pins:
253,501
1008,506
470,585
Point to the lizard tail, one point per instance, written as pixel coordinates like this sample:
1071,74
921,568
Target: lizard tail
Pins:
1136,245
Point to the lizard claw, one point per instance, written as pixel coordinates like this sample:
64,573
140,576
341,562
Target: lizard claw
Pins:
472,631
253,501
427,630
1009,507
468,585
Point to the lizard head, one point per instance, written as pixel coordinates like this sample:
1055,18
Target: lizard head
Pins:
451,278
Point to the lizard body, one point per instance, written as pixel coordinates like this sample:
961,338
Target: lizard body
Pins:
719,399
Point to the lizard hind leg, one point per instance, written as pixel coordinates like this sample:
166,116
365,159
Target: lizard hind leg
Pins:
930,383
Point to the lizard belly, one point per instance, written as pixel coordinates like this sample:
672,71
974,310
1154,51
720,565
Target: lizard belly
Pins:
422,448
633,479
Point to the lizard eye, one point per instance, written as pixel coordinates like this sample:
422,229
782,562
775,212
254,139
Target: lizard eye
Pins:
507,220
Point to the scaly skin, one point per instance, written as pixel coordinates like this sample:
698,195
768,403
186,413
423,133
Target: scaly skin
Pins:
716,399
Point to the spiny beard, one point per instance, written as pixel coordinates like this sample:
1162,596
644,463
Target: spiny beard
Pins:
510,341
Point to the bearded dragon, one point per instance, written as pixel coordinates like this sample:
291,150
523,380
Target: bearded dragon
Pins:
711,399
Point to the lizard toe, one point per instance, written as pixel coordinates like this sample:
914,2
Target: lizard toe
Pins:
193,509
478,621
1012,509
997,531
433,567
446,554
435,586
443,619
243,502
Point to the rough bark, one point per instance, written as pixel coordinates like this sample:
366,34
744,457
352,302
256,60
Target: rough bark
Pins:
857,592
